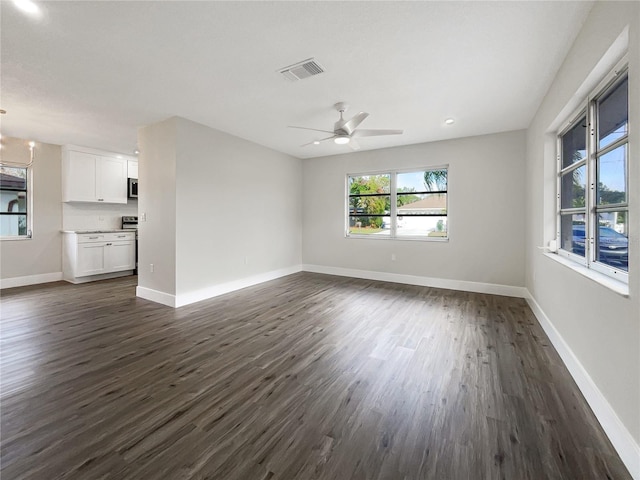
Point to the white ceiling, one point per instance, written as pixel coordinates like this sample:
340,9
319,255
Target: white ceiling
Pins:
90,73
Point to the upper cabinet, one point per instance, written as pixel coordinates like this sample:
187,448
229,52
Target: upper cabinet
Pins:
92,176
132,169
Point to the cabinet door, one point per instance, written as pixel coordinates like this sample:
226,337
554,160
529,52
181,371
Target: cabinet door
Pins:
91,259
121,256
132,169
79,177
112,180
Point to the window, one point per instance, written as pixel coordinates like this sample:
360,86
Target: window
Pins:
593,208
403,204
14,203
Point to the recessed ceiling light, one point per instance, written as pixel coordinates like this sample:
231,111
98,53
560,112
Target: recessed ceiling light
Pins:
449,121
27,6
316,142
341,139
136,151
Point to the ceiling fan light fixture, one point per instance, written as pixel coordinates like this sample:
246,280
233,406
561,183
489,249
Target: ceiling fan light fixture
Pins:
341,139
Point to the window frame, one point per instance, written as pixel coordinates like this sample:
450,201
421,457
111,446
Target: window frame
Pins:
29,209
393,212
589,109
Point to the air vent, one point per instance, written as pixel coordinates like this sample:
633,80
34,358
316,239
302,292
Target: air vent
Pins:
301,70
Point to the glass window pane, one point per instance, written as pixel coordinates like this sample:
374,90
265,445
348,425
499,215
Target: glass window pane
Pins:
369,184
422,204
13,201
612,239
422,181
378,205
13,225
613,115
572,233
574,143
612,174
13,178
369,226
422,226
572,188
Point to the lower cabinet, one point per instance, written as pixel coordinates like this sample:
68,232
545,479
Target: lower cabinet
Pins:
86,255
91,259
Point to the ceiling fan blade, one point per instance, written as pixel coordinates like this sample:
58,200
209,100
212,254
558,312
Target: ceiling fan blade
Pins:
321,140
354,145
376,133
356,120
314,129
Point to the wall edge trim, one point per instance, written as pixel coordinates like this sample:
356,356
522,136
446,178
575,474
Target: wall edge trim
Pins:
227,287
463,285
30,280
156,296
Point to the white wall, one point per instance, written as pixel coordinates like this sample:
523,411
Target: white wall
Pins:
486,212
600,327
157,209
39,258
238,209
222,212
96,216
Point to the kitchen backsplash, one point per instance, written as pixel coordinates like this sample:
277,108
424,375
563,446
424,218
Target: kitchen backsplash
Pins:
96,216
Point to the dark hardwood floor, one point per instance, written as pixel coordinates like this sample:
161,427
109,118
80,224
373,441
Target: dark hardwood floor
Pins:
306,377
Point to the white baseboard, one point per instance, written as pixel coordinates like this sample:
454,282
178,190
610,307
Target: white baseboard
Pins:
478,287
93,278
30,280
183,299
618,434
156,296
222,288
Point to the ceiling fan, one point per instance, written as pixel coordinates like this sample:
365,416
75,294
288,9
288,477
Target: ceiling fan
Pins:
345,131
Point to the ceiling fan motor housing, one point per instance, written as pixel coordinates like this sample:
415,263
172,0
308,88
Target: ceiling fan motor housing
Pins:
338,126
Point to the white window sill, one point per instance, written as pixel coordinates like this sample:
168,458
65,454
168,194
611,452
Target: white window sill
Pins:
621,288
409,238
2,239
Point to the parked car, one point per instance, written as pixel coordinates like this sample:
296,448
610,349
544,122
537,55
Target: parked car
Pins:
613,247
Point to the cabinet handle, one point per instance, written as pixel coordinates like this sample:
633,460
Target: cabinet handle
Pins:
101,199
109,244
121,236
93,238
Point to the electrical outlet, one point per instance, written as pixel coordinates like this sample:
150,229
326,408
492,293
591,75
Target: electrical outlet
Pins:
151,267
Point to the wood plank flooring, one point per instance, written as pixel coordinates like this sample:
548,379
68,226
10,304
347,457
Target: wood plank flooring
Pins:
305,377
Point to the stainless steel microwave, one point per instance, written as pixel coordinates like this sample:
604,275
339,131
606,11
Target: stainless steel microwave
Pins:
133,188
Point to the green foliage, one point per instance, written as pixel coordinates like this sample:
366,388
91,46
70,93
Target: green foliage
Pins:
406,199
435,180
370,205
608,197
577,199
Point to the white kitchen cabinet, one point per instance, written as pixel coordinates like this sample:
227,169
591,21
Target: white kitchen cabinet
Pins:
91,259
120,256
132,169
88,176
93,256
